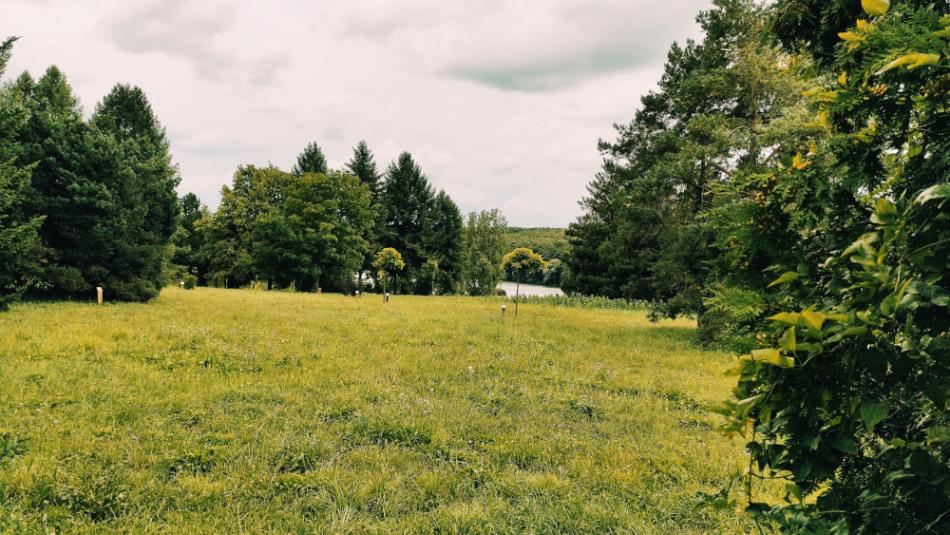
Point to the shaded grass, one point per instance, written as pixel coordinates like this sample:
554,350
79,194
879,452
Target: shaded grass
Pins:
228,411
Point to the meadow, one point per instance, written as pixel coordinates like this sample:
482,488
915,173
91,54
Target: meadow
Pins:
227,411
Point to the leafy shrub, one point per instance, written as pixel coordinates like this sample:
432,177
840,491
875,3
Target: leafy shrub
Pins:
190,281
845,395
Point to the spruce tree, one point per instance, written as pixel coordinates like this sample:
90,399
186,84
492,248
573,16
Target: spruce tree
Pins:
445,243
406,204
144,184
19,242
311,160
363,166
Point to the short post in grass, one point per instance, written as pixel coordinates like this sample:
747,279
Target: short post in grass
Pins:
181,284
521,261
357,293
99,294
503,309
388,261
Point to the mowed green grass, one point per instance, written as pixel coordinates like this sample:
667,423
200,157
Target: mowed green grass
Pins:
228,411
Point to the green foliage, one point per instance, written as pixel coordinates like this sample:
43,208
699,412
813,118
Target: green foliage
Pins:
550,243
520,262
304,231
644,233
19,241
101,194
388,262
423,226
845,394
584,301
484,248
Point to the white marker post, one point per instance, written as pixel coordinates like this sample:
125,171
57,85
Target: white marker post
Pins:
357,293
181,284
503,309
386,299
99,294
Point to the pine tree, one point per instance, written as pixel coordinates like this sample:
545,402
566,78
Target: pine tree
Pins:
445,244
406,203
363,166
311,160
68,186
19,241
144,184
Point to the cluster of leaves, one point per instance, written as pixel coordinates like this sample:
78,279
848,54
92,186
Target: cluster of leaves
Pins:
844,392
83,203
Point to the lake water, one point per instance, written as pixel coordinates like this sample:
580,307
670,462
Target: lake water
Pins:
529,289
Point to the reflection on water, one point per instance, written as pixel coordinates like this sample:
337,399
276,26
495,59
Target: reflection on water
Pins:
529,289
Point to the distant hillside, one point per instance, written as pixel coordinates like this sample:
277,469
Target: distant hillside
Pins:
548,242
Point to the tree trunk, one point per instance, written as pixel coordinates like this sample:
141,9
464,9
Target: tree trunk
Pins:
517,292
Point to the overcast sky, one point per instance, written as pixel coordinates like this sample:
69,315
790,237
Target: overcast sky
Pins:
501,102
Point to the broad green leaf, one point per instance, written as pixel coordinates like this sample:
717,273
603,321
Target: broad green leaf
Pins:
937,191
912,60
790,318
783,278
938,433
873,413
875,7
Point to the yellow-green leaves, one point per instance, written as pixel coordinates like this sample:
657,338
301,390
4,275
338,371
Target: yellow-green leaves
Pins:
799,163
813,319
790,318
875,7
788,276
818,94
770,356
788,342
912,60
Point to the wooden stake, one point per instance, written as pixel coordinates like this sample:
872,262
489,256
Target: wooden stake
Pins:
99,294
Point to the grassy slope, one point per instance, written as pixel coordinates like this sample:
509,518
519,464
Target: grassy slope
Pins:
226,410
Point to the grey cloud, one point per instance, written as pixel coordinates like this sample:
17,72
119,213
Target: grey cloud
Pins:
525,46
192,32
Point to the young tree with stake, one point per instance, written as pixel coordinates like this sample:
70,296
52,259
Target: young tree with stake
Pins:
388,261
521,261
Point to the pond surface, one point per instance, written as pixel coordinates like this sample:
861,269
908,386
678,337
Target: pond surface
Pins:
529,289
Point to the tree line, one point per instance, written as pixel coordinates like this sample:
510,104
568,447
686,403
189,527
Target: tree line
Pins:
788,184
315,227
88,203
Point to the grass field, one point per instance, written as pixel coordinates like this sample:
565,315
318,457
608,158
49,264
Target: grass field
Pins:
239,411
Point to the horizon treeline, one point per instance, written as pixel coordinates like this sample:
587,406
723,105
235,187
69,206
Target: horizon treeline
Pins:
315,227
88,203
